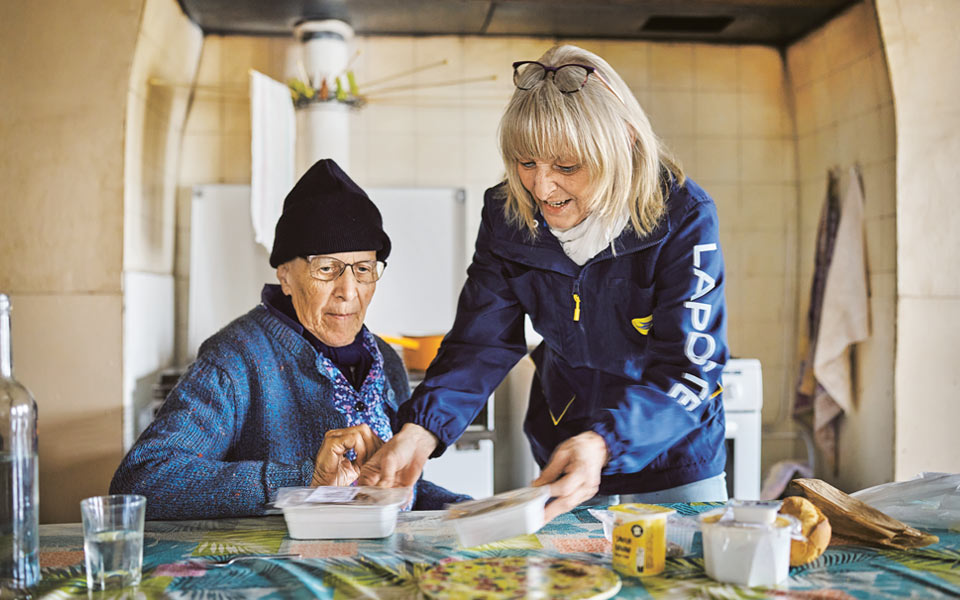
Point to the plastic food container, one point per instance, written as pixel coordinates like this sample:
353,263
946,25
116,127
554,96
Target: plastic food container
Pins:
329,512
502,516
639,538
747,553
680,530
755,511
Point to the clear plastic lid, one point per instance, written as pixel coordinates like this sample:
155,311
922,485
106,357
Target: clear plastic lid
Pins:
755,511
643,510
355,497
503,501
728,516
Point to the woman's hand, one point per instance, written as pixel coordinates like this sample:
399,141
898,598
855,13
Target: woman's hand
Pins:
573,472
400,461
332,467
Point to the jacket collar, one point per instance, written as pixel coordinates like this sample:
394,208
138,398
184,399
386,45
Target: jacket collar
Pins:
545,251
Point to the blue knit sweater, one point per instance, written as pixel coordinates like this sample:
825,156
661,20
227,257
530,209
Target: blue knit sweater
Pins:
247,418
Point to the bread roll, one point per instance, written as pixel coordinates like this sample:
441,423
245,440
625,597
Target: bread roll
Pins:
814,525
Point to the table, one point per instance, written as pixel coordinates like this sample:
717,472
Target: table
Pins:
388,568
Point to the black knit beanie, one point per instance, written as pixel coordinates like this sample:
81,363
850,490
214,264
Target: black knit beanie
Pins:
327,212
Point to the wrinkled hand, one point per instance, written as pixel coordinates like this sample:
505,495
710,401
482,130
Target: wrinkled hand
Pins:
573,472
400,461
332,467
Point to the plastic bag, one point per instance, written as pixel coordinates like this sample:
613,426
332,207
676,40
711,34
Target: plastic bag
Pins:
930,500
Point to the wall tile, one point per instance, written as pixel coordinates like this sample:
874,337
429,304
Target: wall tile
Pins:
845,42
765,253
828,149
684,149
236,115
716,68
200,160
766,160
727,198
799,63
482,162
870,133
881,77
776,410
718,160
671,113
765,206
879,189
439,118
861,76
823,102
631,61
235,158
765,332
671,67
208,72
205,116
439,160
717,114
762,115
388,117
808,157
881,244
396,163
760,69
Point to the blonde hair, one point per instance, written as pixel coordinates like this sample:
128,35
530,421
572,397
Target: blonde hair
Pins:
608,134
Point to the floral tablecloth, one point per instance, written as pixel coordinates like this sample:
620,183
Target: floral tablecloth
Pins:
179,562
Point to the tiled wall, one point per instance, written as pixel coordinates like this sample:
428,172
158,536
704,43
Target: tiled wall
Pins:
844,117
164,66
723,109
923,50
64,73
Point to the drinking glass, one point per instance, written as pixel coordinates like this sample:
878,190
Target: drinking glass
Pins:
113,540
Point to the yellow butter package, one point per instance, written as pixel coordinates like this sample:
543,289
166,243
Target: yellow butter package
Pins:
640,539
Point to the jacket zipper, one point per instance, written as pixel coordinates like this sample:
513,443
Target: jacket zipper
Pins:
576,300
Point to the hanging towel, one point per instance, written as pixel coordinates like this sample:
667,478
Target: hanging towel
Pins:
272,142
807,386
844,319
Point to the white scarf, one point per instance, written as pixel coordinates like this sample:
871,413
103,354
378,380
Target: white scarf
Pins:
590,236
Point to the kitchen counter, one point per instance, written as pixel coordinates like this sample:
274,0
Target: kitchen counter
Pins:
388,567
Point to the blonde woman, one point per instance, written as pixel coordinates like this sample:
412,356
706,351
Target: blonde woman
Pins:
599,238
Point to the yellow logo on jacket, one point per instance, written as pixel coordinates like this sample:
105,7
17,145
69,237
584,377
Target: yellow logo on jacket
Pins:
643,324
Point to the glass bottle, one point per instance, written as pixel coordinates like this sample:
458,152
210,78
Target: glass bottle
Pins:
19,535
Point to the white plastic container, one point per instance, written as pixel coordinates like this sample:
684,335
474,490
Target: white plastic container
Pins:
328,512
501,516
747,553
755,511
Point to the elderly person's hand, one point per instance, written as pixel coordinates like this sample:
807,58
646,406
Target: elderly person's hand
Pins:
332,467
400,461
573,472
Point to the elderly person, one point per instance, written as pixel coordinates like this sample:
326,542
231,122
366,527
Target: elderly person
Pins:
599,238
297,391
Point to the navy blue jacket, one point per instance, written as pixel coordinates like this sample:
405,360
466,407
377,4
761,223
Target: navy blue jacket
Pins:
633,344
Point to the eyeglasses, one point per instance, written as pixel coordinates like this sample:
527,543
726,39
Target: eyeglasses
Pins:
568,78
327,268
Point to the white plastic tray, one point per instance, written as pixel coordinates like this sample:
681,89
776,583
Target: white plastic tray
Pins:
501,516
370,513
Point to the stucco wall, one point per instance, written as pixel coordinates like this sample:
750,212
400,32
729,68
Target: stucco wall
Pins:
923,50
